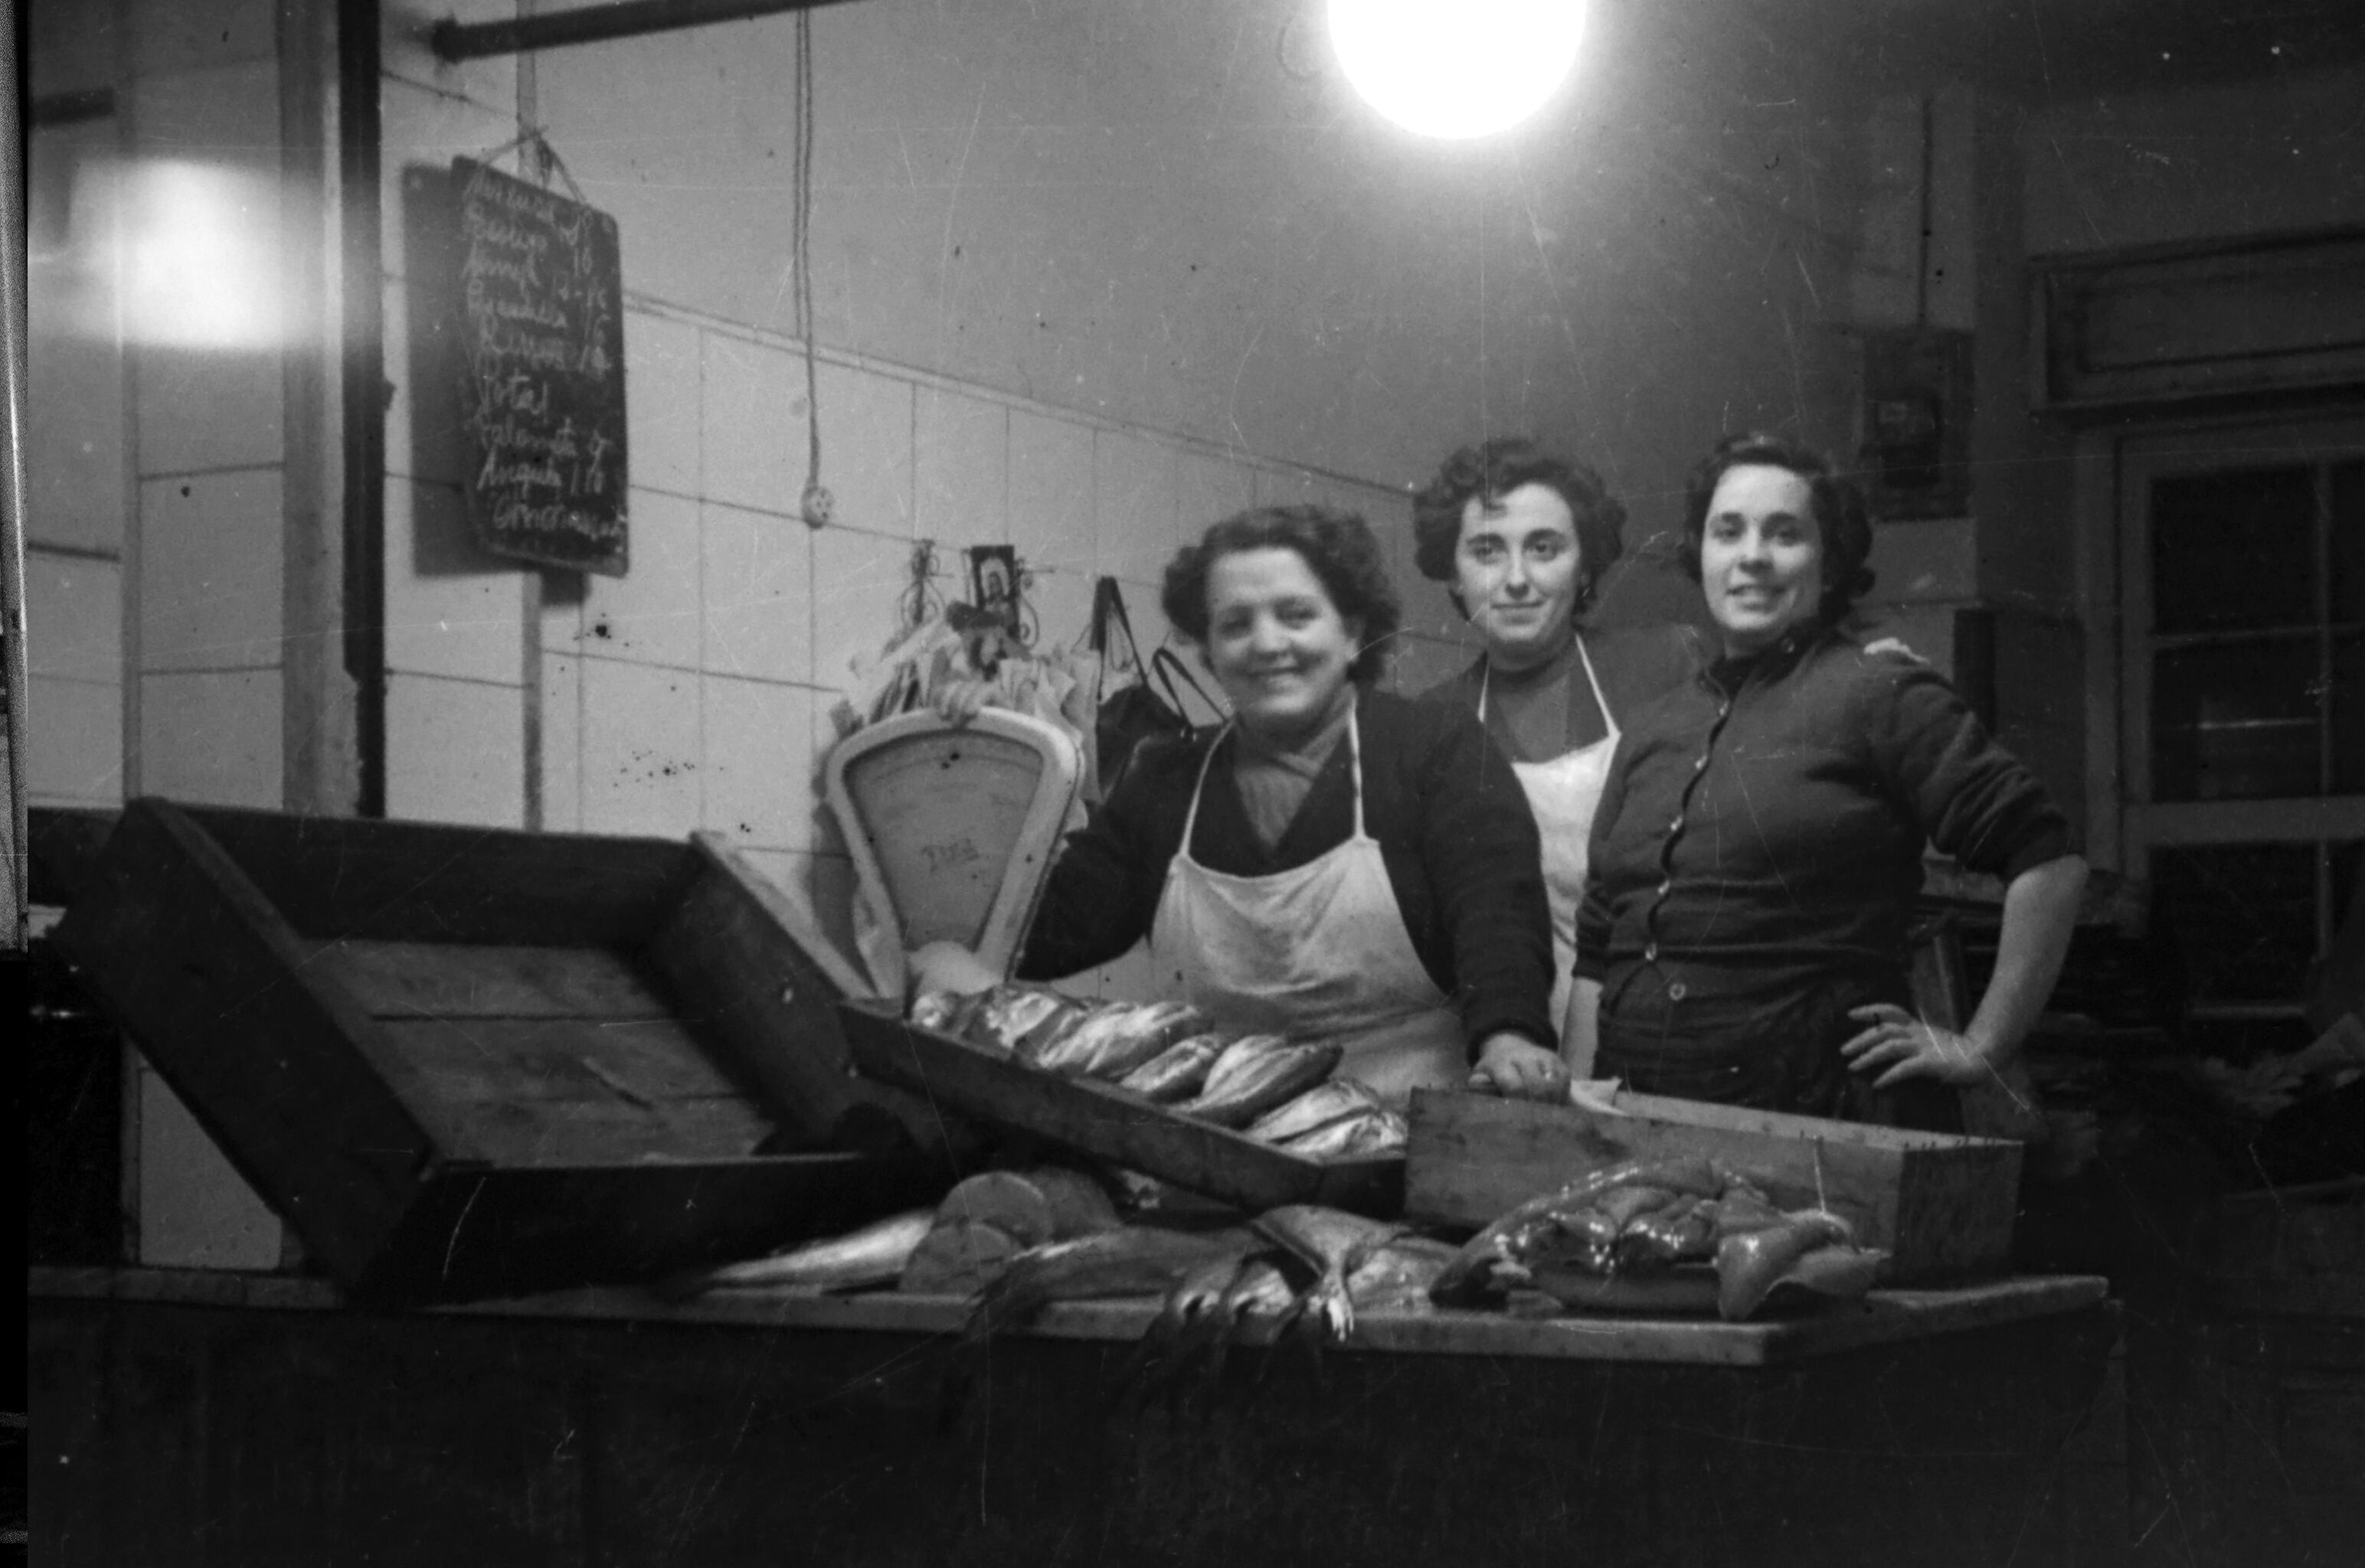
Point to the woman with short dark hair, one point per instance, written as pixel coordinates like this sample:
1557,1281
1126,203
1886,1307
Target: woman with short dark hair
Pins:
1522,539
1759,847
1334,864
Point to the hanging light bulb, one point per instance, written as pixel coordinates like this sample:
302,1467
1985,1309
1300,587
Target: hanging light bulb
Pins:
1460,69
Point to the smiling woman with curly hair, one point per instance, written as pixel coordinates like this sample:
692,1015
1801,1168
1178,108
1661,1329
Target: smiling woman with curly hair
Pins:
1333,864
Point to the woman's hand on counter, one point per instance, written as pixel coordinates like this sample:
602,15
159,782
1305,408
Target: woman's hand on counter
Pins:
1901,1046
1516,1068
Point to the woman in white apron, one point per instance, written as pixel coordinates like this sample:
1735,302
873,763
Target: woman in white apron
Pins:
1522,539
1333,864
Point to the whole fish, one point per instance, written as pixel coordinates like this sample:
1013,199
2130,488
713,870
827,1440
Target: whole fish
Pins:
1261,1081
1317,1107
1012,1018
1135,1261
1113,1041
1750,1265
874,1255
1176,1072
1047,1050
936,1009
1333,1243
1397,1274
1372,1135
1565,1223
1235,1060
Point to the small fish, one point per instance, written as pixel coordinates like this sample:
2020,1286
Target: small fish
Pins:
1145,1036
1050,1049
1397,1276
1567,1220
1013,1018
1749,1265
874,1255
936,1009
1335,1244
1334,1100
1176,1072
1372,1134
1266,1079
1135,1261
1115,1039
1235,1059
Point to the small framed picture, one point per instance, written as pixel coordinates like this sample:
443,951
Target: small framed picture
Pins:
994,582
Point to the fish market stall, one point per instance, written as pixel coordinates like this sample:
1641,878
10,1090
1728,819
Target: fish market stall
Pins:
1144,1295
206,1419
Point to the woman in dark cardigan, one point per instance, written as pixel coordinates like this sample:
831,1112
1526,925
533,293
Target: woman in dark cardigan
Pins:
1335,863
1759,846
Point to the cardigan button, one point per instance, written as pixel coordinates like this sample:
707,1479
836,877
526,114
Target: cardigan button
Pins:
1675,991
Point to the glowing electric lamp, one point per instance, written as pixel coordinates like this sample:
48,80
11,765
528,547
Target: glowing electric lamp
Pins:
1456,69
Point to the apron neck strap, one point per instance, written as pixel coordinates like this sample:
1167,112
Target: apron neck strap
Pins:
1355,771
1609,720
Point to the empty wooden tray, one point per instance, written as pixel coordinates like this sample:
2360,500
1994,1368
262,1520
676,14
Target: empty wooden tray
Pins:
461,1060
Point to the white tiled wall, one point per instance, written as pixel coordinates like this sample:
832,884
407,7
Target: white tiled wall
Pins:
695,691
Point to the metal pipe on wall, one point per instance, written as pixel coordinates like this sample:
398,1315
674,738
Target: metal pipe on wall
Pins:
592,24
12,488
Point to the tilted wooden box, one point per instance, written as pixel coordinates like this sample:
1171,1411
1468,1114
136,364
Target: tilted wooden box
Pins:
1942,1207
1099,1120
462,1060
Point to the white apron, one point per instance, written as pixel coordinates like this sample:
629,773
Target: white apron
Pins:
1564,793
1318,953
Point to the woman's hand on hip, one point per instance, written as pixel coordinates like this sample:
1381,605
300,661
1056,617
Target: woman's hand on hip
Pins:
1514,1065
1899,1047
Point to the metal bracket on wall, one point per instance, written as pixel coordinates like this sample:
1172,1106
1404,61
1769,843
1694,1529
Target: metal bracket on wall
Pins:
454,41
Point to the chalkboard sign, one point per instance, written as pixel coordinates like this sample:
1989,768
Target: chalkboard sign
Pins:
541,371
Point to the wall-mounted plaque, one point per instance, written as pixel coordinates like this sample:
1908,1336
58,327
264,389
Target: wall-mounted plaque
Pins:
541,371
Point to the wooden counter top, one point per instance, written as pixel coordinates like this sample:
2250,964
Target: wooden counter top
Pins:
1885,1318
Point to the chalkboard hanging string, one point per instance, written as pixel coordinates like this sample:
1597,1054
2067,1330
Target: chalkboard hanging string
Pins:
549,159
536,158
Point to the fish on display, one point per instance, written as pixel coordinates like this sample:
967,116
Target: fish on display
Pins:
1013,1018
874,1255
1134,1260
936,1009
1112,1039
1242,1085
1750,1263
1372,1135
1397,1275
1177,1072
1334,1244
1319,1107
1044,1048
1567,1224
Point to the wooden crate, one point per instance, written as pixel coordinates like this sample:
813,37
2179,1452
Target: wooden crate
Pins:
1095,1119
462,1060
1940,1205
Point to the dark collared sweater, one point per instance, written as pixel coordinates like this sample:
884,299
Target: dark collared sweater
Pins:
1453,829
1773,810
